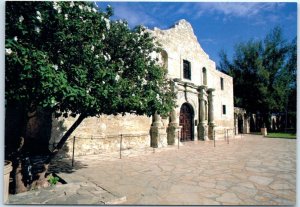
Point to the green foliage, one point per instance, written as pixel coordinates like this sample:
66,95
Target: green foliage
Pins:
69,57
264,73
53,180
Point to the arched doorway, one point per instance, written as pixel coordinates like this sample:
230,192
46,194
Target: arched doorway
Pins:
186,120
240,124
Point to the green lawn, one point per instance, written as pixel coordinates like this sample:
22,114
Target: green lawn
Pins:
281,135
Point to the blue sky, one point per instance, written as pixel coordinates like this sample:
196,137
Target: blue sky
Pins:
217,25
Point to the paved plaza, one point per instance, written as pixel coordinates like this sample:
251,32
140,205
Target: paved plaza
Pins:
248,171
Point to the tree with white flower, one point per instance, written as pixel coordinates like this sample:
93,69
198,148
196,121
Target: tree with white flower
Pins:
56,64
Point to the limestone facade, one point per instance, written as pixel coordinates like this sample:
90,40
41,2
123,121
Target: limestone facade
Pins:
207,91
204,102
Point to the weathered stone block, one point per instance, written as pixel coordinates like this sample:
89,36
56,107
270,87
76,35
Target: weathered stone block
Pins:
172,134
158,137
202,132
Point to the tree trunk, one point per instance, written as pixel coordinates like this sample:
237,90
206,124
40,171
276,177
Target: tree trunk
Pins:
29,164
65,138
18,177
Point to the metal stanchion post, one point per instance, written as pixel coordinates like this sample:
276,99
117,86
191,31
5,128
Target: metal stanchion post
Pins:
227,137
214,138
121,146
178,138
73,151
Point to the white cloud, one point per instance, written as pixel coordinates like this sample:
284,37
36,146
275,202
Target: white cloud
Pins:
240,9
134,15
235,9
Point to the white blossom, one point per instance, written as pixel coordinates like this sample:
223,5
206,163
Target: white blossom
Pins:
96,56
55,67
103,82
37,29
88,8
157,96
56,7
8,51
144,82
80,7
88,90
103,37
72,4
117,77
21,18
92,48
16,38
94,10
107,22
66,17
105,58
133,94
61,62
139,77
39,16
153,56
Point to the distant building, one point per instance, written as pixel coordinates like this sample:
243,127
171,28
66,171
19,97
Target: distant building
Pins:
204,103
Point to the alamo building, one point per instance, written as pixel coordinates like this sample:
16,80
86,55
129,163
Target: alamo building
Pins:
204,103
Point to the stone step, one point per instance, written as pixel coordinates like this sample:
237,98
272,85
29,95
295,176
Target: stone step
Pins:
76,191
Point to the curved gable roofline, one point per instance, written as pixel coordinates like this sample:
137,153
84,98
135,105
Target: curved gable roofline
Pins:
183,24
184,27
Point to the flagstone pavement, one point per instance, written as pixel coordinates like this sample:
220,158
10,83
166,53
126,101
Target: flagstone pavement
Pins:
251,170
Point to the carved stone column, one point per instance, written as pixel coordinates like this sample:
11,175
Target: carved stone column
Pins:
236,126
202,126
211,112
158,132
173,129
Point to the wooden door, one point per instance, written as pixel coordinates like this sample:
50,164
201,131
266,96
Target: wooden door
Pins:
186,121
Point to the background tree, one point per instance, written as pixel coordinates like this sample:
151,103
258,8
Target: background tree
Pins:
264,73
69,59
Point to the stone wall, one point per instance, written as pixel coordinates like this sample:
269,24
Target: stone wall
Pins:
106,144
223,97
100,135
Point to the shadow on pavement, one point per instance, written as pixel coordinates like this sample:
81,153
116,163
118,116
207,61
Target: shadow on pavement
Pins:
65,166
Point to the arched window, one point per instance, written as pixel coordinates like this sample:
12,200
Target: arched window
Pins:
204,76
164,59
